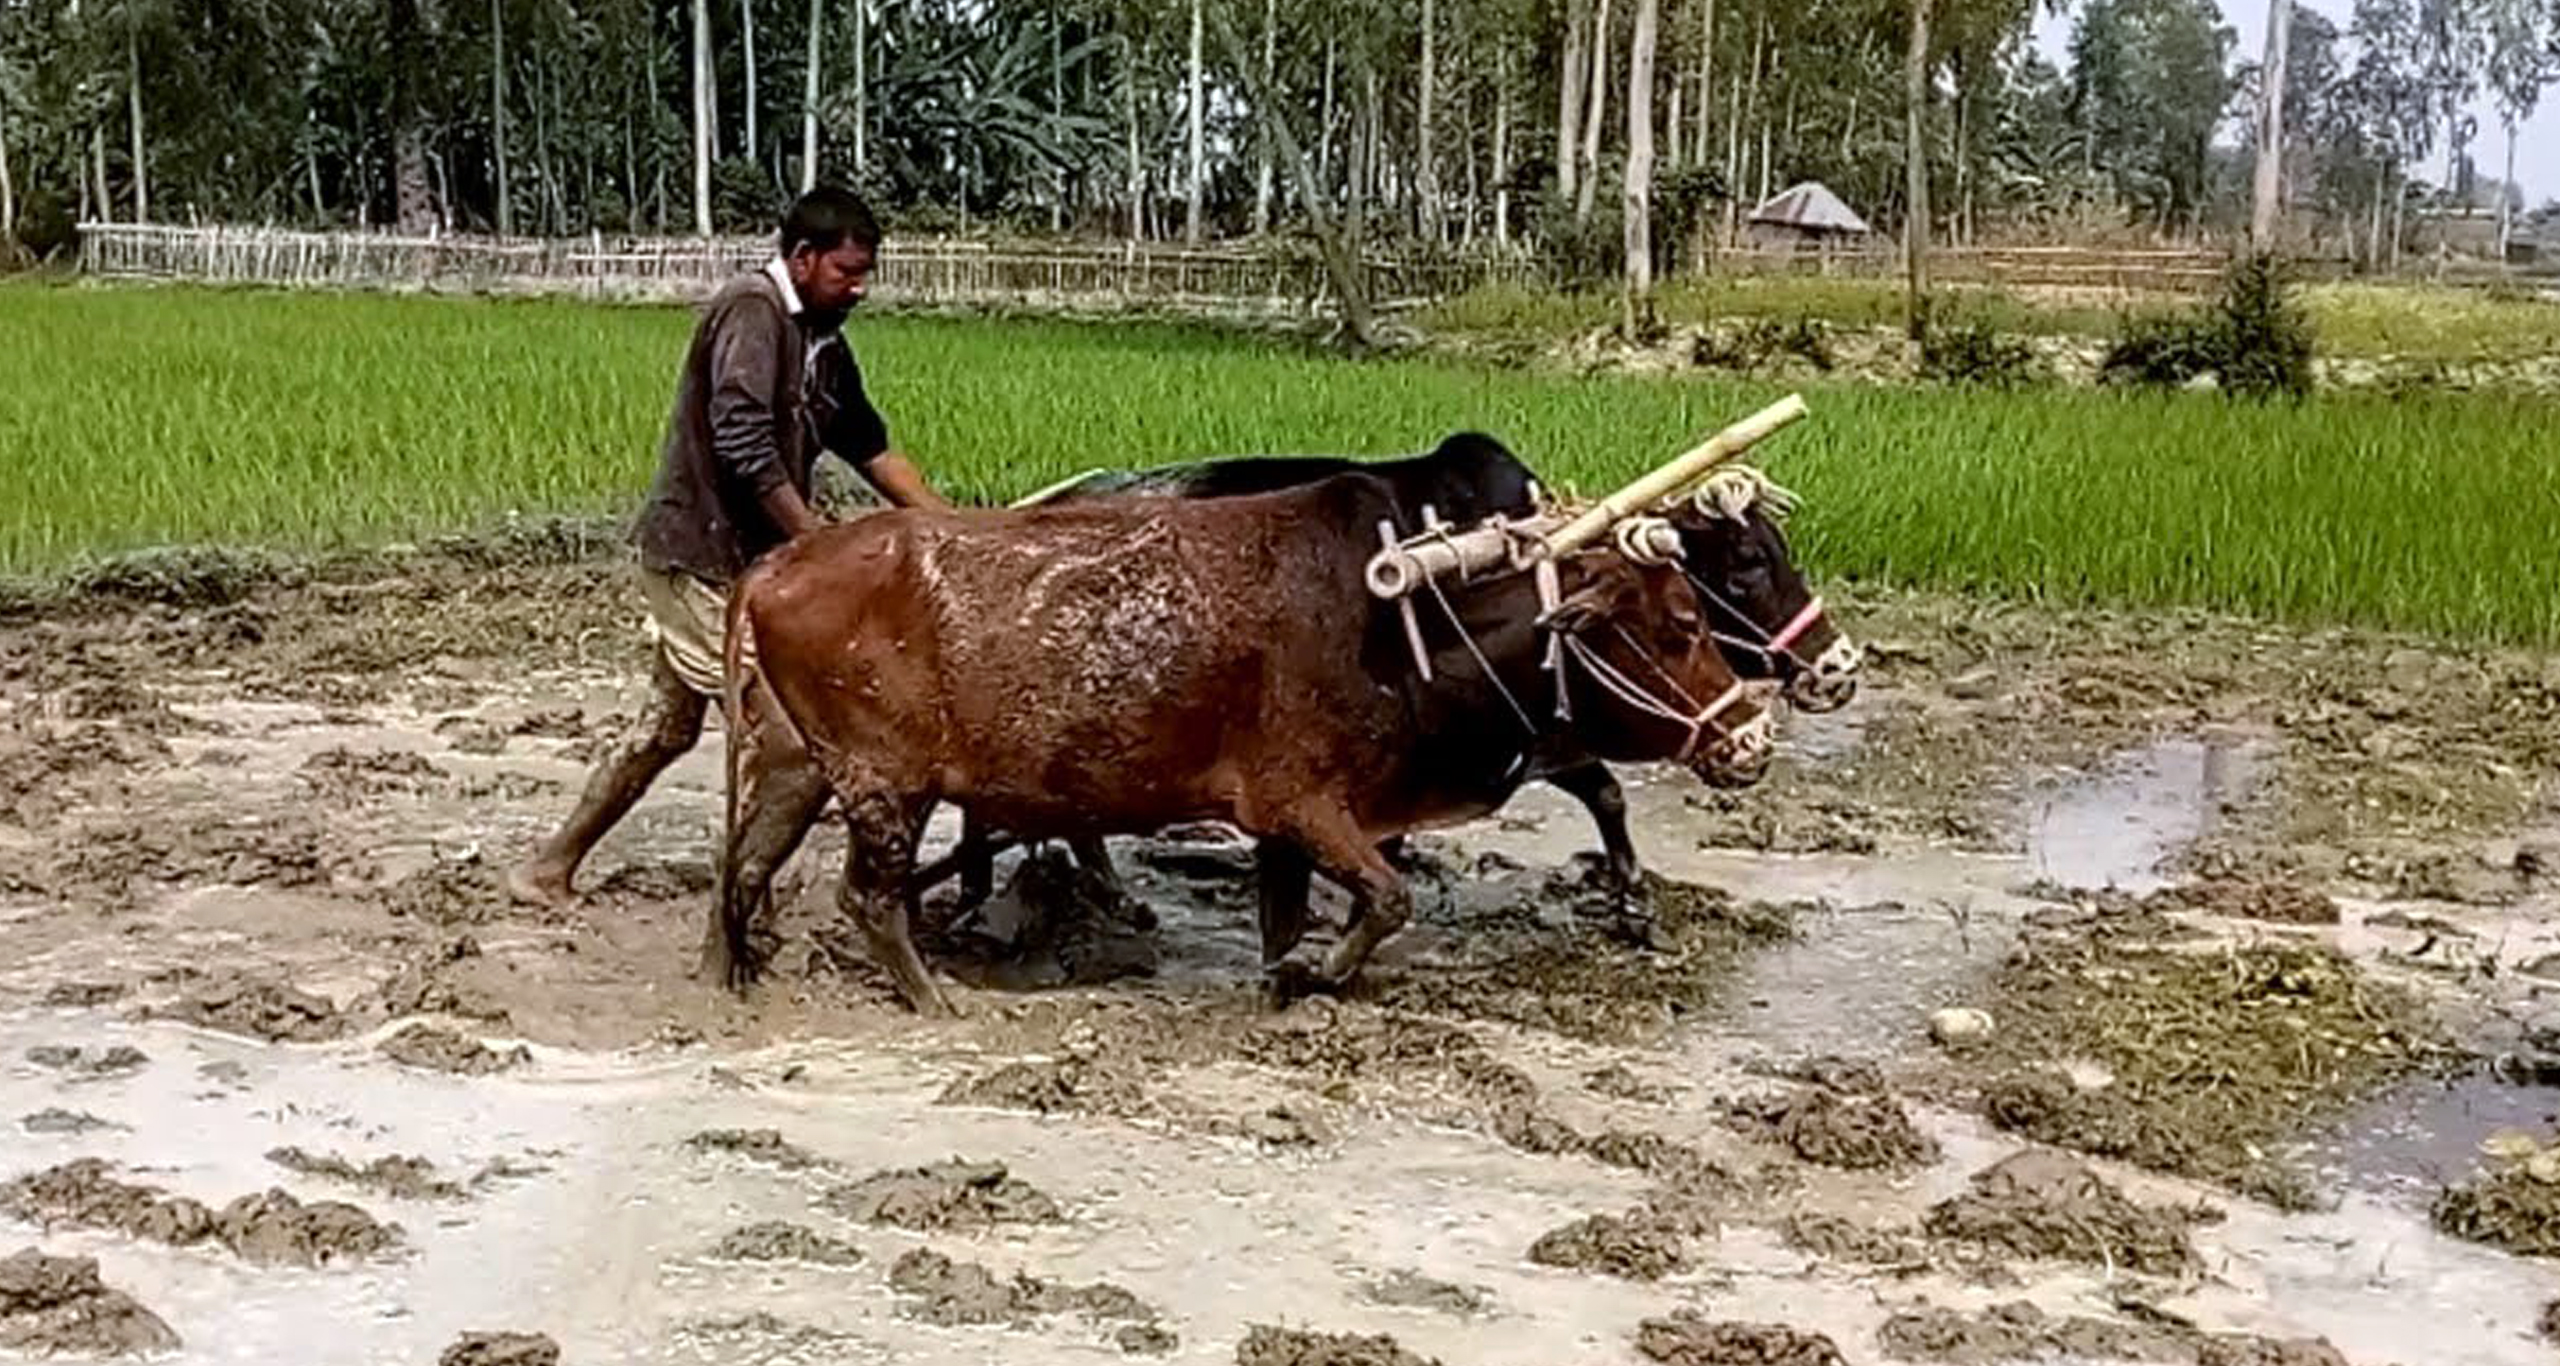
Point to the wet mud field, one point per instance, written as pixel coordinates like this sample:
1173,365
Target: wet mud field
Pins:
2093,988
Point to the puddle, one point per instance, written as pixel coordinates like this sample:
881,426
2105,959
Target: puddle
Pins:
2116,828
2425,1134
1862,980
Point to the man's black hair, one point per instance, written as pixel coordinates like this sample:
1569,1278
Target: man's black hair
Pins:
825,218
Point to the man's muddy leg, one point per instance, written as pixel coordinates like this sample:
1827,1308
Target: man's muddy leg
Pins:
669,725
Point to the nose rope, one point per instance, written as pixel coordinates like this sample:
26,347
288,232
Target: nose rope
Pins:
1697,720
1768,647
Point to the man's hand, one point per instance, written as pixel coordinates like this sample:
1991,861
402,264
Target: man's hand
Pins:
901,483
790,512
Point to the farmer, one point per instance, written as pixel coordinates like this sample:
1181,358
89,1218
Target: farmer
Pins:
768,380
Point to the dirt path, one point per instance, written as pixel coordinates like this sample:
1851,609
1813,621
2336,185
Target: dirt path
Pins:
248,847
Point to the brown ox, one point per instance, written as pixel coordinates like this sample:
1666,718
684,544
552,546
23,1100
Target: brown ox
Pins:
1113,668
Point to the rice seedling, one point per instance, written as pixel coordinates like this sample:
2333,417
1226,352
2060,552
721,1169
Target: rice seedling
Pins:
132,418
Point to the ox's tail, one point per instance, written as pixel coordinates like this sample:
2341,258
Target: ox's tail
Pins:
730,951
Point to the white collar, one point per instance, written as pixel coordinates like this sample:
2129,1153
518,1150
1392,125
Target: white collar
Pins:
781,275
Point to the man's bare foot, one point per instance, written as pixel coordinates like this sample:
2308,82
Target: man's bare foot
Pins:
541,882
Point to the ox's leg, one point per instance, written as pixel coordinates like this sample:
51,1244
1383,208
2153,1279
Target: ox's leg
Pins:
781,793
668,727
1282,873
879,861
976,857
1381,903
1594,786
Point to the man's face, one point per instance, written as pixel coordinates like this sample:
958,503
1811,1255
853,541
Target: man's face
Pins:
833,280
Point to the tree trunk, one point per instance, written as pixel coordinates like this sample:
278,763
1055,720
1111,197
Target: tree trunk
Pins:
1639,177
9,188
1502,148
1137,165
747,26
1915,227
809,101
2266,202
98,169
703,136
1264,174
1675,122
1340,247
1324,135
1196,182
311,168
1569,98
861,88
2506,193
1595,115
133,84
1706,83
1426,179
1733,152
498,113
1467,157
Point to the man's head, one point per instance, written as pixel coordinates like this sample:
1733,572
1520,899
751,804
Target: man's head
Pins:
829,241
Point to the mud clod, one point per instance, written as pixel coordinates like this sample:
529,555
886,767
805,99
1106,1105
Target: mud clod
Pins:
1618,1082
767,1146
2044,1206
1859,1133
776,1241
950,1293
2019,1331
261,1010
342,774
60,1121
1062,1086
950,1195
1265,1345
2550,1324
1146,1340
2238,1349
1555,956
269,1229
1689,1338
501,1349
1829,1235
274,1229
2281,903
2515,1205
1636,1246
442,1050
446,892
57,1306
2215,1058
397,1176
1408,1289
87,1062
81,995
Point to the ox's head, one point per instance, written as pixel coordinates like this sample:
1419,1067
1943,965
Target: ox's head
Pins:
1641,676
1770,625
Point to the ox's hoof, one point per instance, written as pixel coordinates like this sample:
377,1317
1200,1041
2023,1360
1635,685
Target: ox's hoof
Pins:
1290,981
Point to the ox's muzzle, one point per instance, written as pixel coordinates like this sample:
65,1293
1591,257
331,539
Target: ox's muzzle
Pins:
1740,754
1829,681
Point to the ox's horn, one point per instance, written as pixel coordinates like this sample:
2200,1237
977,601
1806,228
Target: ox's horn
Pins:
1671,479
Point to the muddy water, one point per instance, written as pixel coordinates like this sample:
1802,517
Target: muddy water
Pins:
2117,827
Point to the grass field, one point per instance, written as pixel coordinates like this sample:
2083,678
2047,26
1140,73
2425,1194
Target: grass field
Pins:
131,418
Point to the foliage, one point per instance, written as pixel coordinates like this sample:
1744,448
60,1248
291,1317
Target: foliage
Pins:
1972,351
2256,340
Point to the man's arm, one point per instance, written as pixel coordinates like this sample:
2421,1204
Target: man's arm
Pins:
743,366
901,482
